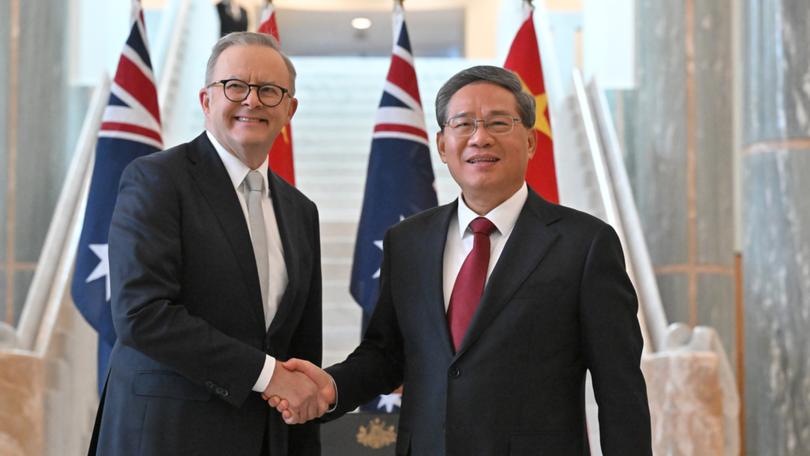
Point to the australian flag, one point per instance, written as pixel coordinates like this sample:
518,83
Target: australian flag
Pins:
399,182
130,128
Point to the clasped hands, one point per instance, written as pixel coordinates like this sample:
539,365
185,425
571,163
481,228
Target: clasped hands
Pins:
300,391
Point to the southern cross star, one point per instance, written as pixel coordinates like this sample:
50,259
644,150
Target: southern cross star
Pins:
389,401
379,245
103,267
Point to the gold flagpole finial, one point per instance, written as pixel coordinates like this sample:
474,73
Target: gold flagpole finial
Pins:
529,3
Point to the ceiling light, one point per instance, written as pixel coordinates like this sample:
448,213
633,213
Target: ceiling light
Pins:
361,23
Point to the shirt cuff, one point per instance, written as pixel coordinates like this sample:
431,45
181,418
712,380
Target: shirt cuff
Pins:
266,374
333,407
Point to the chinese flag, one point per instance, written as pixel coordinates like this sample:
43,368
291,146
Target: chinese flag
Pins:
281,153
524,60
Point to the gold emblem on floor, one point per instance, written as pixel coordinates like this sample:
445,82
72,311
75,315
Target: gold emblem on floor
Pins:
377,435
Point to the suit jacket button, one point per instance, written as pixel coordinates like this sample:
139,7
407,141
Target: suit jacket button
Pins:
455,372
209,384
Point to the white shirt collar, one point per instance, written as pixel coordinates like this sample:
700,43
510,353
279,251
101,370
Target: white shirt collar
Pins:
238,170
504,216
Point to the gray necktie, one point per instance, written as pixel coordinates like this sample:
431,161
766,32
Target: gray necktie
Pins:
258,233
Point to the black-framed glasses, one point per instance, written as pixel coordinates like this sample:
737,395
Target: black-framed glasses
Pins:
237,90
467,125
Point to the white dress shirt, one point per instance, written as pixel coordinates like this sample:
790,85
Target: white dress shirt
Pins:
460,238
277,269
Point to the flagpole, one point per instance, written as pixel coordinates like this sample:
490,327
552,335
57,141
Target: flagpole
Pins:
397,17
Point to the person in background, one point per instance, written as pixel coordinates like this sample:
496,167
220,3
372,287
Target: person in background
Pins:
232,17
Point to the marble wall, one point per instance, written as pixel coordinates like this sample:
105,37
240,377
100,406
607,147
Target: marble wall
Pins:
32,164
776,223
678,133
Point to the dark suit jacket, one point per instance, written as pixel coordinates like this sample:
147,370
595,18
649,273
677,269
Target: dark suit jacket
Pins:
557,303
186,305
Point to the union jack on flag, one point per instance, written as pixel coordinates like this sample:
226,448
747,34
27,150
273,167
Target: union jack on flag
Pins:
130,128
399,181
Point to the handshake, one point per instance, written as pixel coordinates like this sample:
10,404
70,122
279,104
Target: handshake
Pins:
300,391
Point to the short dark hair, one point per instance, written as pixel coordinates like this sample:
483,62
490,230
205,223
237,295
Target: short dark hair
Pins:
247,39
489,74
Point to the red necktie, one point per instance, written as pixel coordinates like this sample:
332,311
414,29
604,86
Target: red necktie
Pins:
470,281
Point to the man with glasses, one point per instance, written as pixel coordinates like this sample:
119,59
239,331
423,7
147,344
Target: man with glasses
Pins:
493,307
215,275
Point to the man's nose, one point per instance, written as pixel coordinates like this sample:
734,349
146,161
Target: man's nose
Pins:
481,137
252,99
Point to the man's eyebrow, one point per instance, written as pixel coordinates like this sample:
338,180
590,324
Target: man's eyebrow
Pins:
499,113
490,113
233,76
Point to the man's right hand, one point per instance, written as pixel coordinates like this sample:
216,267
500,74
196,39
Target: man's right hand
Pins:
327,394
300,393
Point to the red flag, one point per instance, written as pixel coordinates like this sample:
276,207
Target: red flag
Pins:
281,153
524,60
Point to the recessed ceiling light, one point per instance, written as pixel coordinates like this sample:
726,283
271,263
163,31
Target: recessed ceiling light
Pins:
361,23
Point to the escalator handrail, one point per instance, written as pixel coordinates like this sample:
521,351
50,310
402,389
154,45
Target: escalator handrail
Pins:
57,246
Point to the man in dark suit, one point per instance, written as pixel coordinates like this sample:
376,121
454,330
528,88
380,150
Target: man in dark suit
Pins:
493,307
215,274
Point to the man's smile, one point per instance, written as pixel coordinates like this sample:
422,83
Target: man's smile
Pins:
480,158
249,119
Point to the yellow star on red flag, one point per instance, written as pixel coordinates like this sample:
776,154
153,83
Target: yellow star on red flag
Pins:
524,60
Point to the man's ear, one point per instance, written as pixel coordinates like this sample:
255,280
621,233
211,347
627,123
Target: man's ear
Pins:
440,146
292,109
205,102
532,140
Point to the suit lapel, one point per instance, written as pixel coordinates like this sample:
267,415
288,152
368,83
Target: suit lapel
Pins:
290,231
212,179
432,275
527,245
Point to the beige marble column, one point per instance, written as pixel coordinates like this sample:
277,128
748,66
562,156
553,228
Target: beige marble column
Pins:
21,414
685,403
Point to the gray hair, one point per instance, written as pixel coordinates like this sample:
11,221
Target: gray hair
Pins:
247,39
489,74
